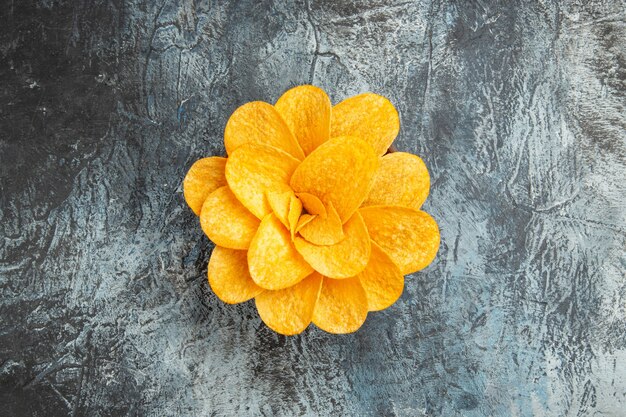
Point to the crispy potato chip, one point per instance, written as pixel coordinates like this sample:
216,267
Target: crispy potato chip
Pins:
287,207
259,123
312,204
304,220
280,203
306,110
410,237
274,262
229,277
368,116
226,222
289,311
338,171
401,180
205,176
295,209
344,259
324,230
341,307
254,170
381,279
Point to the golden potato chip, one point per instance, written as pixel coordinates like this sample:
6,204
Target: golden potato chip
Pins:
368,116
280,203
312,204
401,180
287,207
226,222
295,209
304,220
344,259
324,230
289,311
274,262
338,171
229,277
253,170
381,279
410,237
205,176
259,123
306,110
341,307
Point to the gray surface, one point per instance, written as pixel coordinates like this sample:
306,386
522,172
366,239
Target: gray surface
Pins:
517,110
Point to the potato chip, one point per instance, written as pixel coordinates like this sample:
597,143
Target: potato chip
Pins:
309,215
295,209
274,262
381,279
253,170
312,204
205,176
259,123
341,307
306,110
324,230
410,237
344,259
338,171
304,220
289,311
226,222
229,277
401,180
368,116
280,203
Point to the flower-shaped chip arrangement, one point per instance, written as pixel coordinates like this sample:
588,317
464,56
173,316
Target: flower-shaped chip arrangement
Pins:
309,214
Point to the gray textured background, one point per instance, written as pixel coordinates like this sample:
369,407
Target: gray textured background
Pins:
517,110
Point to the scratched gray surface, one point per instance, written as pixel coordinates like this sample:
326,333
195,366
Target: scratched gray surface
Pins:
517,110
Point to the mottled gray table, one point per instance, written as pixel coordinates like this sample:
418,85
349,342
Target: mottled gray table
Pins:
518,110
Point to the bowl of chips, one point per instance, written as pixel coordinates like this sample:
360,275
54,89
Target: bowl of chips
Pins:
311,214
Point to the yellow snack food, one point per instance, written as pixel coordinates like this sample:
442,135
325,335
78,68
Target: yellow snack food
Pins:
226,222
410,237
368,116
310,217
341,307
253,171
273,260
324,230
319,174
280,203
341,260
229,277
306,110
290,311
402,180
312,204
259,123
205,176
381,279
